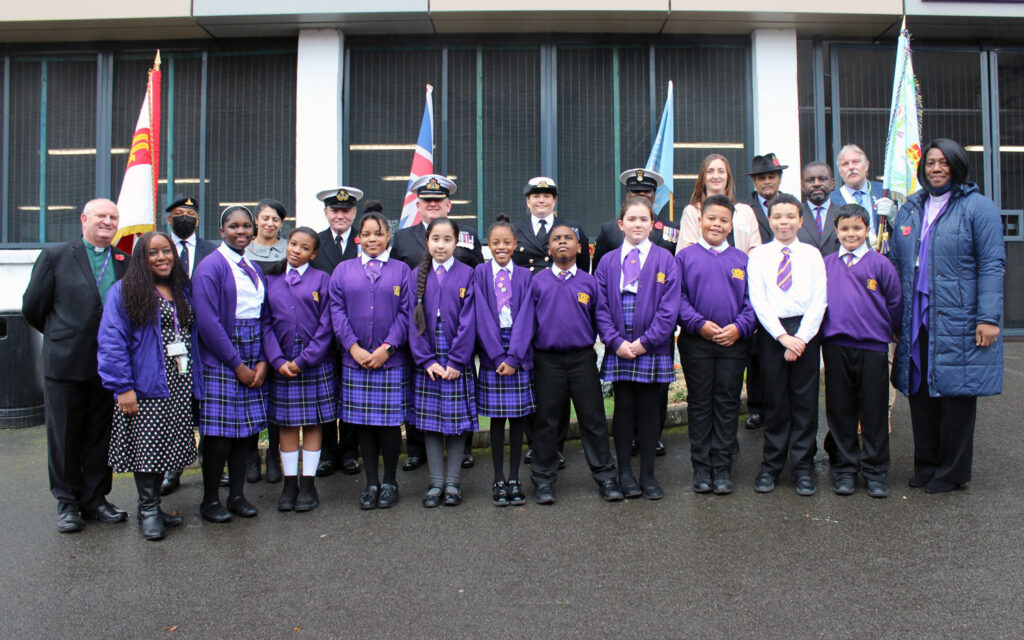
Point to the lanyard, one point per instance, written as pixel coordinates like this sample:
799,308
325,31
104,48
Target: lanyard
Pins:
103,269
174,313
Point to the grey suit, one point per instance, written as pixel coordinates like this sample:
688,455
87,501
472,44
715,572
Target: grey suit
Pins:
827,242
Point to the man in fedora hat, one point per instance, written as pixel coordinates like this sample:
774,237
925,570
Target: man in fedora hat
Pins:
766,174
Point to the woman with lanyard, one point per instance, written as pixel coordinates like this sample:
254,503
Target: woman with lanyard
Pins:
947,245
147,339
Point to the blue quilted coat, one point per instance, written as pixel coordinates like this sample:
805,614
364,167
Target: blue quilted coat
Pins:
967,263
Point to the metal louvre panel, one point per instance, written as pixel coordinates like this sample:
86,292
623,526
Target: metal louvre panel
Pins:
461,148
805,100
587,181
635,128
23,179
1011,164
710,111
386,91
250,151
186,144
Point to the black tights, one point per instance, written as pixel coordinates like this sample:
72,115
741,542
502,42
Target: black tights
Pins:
516,429
636,411
380,441
217,450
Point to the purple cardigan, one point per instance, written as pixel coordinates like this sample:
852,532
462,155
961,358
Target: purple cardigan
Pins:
455,299
132,357
657,302
302,309
214,300
488,340
371,315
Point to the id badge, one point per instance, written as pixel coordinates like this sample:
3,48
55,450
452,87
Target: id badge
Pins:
176,349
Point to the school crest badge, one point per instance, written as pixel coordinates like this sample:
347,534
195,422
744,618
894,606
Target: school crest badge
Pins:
316,296
739,274
661,278
872,284
583,298
398,290
462,292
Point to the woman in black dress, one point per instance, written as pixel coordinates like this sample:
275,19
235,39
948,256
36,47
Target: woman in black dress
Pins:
147,340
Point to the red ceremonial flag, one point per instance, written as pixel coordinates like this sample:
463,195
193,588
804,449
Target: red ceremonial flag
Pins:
137,201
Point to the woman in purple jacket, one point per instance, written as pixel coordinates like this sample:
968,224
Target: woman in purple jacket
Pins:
441,338
147,339
229,295
297,342
637,305
370,304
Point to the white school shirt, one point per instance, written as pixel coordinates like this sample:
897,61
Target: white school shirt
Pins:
645,250
720,248
858,253
548,221
555,269
806,297
249,298
382,258
504,313
301,270
189,242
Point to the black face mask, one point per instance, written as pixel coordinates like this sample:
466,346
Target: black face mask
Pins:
183,226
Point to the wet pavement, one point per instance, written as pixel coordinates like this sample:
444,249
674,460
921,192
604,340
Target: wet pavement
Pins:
739,566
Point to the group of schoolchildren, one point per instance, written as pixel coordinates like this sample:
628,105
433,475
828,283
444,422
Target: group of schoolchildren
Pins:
409,340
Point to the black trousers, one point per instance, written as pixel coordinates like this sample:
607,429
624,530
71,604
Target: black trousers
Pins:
790,403
561,376
339,441
79,415
755,394
714,379
943,430
857,391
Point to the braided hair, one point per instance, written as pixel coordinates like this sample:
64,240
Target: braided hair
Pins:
419,314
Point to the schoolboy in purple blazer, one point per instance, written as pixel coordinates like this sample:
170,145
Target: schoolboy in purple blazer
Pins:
718,323
865,305
565,368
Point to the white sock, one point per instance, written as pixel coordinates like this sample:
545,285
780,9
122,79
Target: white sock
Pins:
290,463
310,460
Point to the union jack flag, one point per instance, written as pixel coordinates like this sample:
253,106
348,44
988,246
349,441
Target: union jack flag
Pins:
422,163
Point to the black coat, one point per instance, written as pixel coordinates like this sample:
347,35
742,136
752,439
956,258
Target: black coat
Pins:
533,254
328,256
610,237
410,244
63,302
767,235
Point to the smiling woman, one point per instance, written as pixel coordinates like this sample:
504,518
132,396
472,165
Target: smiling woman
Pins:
268,247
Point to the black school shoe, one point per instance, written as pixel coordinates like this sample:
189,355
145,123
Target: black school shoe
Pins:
499,494
452,495
432,498
368,499
721,482
516,497
388,496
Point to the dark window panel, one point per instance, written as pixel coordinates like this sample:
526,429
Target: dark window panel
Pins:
23,180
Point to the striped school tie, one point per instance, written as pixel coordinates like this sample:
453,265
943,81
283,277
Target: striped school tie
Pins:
564,275
819,220
631,267
785,277
849,259
249,271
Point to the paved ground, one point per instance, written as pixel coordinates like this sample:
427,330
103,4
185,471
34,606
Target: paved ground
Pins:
747,565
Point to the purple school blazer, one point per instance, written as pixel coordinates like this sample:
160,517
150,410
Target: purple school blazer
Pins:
485,310
371,316
657,302
301,310
455,299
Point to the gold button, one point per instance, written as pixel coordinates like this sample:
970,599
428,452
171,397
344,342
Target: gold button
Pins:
531,260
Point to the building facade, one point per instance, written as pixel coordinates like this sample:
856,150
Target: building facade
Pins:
265,99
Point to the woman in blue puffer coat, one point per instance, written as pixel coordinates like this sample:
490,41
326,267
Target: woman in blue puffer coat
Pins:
947,244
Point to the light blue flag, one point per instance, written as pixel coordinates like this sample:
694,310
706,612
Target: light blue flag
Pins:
662,153
903,144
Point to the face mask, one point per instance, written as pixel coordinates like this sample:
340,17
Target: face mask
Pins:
938,191
183,226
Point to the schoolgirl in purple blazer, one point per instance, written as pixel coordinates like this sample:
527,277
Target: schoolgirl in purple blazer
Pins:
441,339
370,306
228,297
637,306
504,314
299,345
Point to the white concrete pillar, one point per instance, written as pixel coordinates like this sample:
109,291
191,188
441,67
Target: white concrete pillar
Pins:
317,121
776,102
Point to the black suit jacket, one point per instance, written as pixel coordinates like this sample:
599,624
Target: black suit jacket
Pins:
762,220
410,244
533,253
610,237
203,249
63,302
827,242
328,256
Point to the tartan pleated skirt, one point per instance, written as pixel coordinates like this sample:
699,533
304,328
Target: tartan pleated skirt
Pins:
374,397
505,396
648,368
306,400
230,408
445,406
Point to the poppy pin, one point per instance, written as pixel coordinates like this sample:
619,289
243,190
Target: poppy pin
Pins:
659,225
119,257
905,230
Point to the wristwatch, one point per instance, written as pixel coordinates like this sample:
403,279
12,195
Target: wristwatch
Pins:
390,349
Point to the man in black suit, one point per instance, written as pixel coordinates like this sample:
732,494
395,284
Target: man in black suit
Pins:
819,229
64,300
340,442
532,232
640,183
183,219
766,174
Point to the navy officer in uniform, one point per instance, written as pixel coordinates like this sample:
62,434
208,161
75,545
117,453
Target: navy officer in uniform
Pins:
642,183
433,201
532,233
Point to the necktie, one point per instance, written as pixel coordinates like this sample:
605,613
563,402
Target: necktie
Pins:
440,273
542,231
785,277
818,220
503,289
249,271
373,269
293,277
564,275
631,267
849,259
859,197
183,256
715,251
338,241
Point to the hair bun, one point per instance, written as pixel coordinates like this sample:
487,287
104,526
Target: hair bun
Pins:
502,217
373,205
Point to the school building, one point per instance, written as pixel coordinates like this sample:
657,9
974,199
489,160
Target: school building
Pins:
264,98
